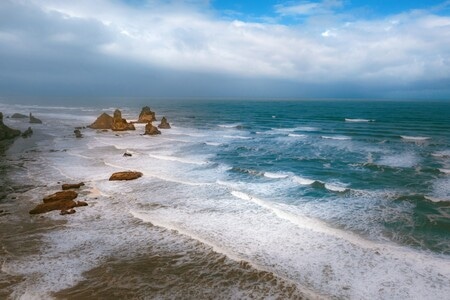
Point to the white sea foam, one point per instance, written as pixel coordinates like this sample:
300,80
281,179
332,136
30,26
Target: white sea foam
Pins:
303,181
296,135
336,137
275,175
399,160
414,138
358,120
237,137
229,125
336,188
178,159
213,144
445,171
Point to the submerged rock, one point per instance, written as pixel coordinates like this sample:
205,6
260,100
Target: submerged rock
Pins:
55,205
151,130
77,133
120,124
67,212
104,121
34,120
126,175
164,124
126,154
27,133
68,186
146,115
6,132
19,116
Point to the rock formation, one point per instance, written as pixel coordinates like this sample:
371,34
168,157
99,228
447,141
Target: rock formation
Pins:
146,115
6,132
18,116
126,175
104,121
164,124
126,154
120,124
27,133
151,130
77,133
68,186
34,120
63,201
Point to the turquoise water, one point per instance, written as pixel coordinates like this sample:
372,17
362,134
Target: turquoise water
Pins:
347,198
386,160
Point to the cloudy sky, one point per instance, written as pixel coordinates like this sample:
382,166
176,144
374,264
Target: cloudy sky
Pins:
225,48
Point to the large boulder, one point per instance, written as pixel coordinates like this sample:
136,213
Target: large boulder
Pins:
68,186
120,124
34,120
19,116
146,115
62,205
151,130
164,124
6,132
126,175
58,196
104,121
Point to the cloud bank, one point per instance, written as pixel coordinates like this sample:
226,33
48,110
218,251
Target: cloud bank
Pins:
184,48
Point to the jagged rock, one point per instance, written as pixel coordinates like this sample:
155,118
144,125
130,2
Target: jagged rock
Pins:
126,175
65,204
6,132
151,130
19,116
120,124
34,120
164,124
127,154
27,133
104,121
68,186
59,196
146,115
77,133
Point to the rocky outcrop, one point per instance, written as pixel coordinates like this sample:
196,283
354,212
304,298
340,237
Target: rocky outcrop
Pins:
63,201
104,121
120,124
18,116
60,196
77,133
27,133
151,130
126,175
164,124
34,120
6,132
68,186
146,115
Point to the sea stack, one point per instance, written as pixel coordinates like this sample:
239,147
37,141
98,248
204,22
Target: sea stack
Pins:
151,130
18,116
146,115
104,121
120,124
34,120
164,124
6,132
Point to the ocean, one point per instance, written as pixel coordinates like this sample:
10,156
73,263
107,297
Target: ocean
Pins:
312,199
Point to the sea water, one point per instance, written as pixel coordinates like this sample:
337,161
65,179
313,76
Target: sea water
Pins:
346,199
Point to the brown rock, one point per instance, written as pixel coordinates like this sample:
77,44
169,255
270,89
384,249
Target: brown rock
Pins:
58,196
81,203
164,124
55,205
127,175
120,124
146,115
67,186
151,130
104,121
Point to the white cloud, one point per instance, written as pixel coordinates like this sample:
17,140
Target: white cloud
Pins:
401,49
306,8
